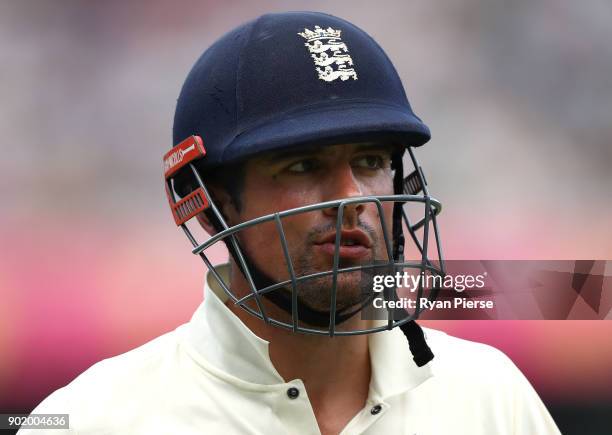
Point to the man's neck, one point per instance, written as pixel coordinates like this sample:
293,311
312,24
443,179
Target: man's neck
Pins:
336,371
317,358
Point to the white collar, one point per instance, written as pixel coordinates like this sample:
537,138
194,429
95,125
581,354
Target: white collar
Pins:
219,337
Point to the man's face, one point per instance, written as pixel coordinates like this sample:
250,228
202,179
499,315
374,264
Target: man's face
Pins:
284,180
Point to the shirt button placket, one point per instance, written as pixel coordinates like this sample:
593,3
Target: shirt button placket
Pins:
375,409
293,393
294,409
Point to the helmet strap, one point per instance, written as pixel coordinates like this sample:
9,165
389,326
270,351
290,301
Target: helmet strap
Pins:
421,352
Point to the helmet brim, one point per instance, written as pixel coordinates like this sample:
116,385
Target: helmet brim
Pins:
349,123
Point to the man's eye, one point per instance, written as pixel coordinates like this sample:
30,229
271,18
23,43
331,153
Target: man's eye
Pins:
370,162
303,166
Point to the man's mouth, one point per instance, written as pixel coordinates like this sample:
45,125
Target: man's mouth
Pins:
354,244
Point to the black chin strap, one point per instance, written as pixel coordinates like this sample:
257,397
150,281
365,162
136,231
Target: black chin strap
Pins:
421,353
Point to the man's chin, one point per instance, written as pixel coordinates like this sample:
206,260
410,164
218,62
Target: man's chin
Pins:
348,297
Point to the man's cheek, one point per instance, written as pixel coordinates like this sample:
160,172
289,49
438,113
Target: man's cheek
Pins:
387,209
259,238
380,185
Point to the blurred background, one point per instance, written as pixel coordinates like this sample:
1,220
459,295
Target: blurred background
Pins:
518,96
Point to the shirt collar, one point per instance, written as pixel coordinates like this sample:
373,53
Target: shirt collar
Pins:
226,343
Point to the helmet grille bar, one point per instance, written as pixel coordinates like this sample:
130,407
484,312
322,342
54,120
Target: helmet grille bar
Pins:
294,292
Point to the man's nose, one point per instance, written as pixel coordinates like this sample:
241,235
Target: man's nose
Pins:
340,184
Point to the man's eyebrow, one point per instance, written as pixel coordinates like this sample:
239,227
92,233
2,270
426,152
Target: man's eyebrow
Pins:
376,147
278,156
287,154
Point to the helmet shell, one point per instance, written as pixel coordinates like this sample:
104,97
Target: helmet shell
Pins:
289,79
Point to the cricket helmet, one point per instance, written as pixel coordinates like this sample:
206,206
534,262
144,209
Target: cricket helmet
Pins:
290,80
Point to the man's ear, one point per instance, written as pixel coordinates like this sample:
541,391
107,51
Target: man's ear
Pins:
205,223
226,207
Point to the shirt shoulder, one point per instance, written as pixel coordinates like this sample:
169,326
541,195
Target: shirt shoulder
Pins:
454,353
110,393
478,378
480,368
131,367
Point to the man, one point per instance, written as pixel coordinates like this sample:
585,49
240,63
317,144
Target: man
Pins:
289,135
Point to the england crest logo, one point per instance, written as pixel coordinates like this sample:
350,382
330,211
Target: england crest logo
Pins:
329,53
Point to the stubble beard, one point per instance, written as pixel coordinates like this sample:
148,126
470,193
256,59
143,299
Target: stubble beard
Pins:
352,288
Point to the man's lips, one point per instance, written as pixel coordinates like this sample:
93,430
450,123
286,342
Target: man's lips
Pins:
353,244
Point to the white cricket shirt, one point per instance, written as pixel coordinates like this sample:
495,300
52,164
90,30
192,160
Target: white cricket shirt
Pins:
214,376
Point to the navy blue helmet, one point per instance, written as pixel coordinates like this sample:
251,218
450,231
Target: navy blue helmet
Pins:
285,80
